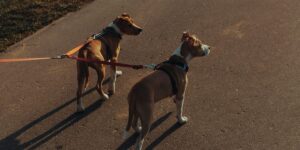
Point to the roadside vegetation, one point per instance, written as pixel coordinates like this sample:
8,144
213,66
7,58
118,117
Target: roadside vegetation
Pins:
20,18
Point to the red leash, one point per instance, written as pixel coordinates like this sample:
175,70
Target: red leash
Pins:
107,62
69,55
22,59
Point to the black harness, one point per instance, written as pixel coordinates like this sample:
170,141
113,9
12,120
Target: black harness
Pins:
100,36
175,61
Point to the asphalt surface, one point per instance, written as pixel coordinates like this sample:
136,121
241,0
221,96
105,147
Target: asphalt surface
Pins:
244,96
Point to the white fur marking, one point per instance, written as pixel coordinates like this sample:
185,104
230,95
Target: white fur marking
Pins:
205,49
177,52
105,97
119,72
179,104
138,129
139,145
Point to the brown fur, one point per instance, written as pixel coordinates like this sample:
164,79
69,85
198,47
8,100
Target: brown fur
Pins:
96,49
155,87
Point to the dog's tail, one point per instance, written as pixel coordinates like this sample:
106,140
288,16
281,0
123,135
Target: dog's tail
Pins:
131,110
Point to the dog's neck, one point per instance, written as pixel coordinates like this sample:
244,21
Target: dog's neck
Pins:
178,52
116,28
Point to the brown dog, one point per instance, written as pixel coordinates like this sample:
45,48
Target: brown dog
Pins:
103,46
170,78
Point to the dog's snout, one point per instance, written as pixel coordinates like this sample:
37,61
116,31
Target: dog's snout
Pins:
205,49
140,30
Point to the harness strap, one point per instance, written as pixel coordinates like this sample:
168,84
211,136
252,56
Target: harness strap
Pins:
111,31
74,50
173,82
108,50
182,66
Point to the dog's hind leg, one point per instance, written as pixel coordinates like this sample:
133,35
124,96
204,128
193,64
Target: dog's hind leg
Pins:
82,77
135,125
86,81
130,118
101,73
146,114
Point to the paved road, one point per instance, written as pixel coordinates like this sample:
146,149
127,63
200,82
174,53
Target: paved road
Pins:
245,95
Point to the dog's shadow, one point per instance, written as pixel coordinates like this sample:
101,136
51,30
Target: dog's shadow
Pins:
129,142
11,142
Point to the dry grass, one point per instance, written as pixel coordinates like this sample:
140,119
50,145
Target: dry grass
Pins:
20,18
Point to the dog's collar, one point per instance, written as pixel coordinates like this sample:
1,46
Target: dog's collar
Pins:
177,61
116,28
111,29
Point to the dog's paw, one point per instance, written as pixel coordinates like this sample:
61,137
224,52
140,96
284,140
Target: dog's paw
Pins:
119,72
105,97
138,129
182,120
80,108
139,144
111,89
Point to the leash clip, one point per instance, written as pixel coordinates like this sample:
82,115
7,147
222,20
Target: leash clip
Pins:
61,56
150,66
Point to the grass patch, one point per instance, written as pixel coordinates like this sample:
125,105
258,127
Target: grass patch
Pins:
20,18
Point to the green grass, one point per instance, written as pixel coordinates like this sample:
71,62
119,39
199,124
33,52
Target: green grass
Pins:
20,18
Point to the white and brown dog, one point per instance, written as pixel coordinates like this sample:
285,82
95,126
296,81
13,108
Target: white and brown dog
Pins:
104,46
170,78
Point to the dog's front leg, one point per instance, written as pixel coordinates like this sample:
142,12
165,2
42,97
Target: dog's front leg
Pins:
113,79
179,99
179,104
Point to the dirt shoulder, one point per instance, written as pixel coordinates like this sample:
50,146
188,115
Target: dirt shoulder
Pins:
20,18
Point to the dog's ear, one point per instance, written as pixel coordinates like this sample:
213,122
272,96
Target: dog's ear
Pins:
191,41
185,36
118,19
125,14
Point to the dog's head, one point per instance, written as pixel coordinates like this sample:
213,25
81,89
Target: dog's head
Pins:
126,25
192,46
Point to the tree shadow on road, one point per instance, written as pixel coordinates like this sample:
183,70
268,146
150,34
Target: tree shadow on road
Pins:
11,142
132,139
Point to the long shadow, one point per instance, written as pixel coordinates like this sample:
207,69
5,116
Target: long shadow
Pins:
164,135
73,118
12,143
132,139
